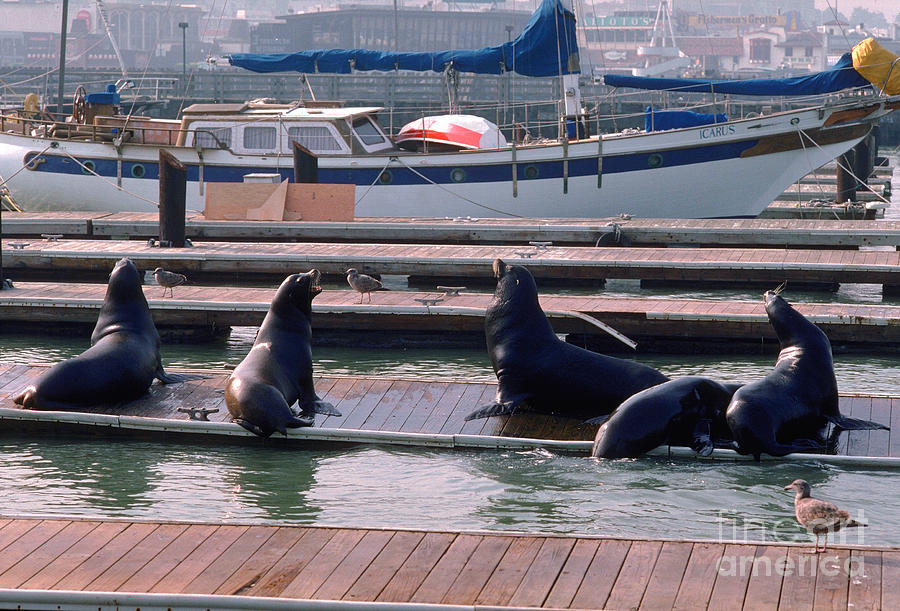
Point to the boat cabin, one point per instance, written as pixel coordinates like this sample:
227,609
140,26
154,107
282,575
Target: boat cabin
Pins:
269,129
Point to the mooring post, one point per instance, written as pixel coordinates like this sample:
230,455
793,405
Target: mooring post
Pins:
864,160
306,164
846,184
172,193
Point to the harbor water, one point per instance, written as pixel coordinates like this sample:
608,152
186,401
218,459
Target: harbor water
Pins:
373,486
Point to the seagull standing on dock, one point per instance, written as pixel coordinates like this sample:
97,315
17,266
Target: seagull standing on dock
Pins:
818,516
167,280
363,284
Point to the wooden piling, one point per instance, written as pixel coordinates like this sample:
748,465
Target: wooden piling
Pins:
846,184
172,191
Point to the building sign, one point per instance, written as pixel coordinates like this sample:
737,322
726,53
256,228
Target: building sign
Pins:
618,21
695,21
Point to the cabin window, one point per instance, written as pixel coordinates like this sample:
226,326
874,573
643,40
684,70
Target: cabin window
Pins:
259,138
788,51
213,137
760,50
809,51
316,139
367,132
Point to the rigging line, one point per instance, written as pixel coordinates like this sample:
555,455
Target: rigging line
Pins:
858,180
462,197
84,168
24,165
837,21
377,176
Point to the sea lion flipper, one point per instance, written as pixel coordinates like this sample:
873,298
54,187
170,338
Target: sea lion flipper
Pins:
326,408
250,427
855,424
494,409
175,378
598,419
297,422
701,441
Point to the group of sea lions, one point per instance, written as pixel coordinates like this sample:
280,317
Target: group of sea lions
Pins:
639,407
124,358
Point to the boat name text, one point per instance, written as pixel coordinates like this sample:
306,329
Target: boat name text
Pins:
716,132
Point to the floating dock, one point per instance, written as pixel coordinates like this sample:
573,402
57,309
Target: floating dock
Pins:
453,262
120,564
808,233
392,411
433,318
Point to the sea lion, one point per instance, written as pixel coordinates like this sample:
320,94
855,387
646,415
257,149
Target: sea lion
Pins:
688,411
278,369
122,361
788,409
539,372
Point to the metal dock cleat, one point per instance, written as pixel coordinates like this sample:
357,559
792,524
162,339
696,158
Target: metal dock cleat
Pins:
451,291
198,413
52,237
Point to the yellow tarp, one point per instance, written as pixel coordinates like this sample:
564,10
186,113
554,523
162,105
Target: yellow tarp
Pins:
875,64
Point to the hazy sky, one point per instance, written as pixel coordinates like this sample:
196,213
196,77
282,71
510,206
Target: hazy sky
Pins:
889,8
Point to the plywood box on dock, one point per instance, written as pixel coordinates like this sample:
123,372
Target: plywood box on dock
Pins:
232,201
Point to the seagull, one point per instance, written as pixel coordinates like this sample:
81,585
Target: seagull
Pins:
167,280
818,516
363,283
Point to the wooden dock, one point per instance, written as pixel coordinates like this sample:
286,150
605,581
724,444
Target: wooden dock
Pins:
658,325
811,232
381,410
452,262
175,564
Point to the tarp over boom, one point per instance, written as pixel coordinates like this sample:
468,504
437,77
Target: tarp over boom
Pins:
867,64
546,47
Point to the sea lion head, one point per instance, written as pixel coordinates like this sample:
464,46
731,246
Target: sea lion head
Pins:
298,291
124,279
514,283
125,306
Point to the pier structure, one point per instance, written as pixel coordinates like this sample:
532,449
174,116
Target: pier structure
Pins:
454,316
121,564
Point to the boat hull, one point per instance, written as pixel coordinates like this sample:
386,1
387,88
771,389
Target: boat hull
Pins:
733,169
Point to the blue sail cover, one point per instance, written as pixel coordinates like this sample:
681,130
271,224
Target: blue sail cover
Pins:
841,76
546,47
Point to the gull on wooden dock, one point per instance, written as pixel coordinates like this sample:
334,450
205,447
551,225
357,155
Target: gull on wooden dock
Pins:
818,516
363,284
168,280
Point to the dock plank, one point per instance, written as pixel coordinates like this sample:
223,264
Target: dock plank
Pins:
32,563
437,583
632,579
411,574
385,566
273,581
662,587
230,560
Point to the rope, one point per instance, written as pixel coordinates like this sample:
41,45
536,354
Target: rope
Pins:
474,203
24,165
859,181
110,183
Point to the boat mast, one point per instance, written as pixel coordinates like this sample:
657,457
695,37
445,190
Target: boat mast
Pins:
102,11
62,56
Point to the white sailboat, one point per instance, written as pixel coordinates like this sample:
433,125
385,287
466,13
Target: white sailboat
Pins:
731,168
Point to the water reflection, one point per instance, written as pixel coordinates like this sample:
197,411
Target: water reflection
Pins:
361,486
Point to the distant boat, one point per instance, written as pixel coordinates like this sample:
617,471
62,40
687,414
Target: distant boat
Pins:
683,165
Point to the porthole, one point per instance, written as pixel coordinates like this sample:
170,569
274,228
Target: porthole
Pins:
87,167
655,160
795,120
138,170
531,171
386,177
458,175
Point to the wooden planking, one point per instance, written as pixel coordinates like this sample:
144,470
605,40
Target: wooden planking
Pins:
416,406
444,260
723,232
399,566
870,326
